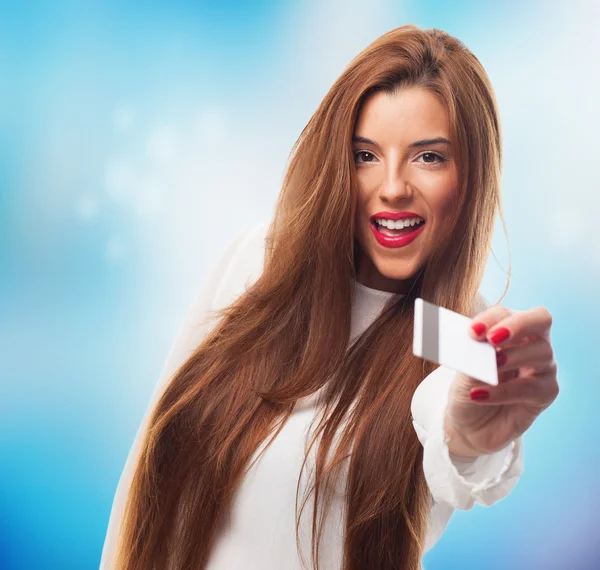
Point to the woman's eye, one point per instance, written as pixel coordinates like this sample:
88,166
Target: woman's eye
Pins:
435,155
369,157
366,152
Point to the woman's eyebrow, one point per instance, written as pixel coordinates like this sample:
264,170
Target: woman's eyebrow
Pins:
424,142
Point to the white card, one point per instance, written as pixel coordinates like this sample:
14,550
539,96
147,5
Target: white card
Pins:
442,336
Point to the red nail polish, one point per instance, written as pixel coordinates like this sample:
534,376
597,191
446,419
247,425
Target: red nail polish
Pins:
478,328
479,394
499,335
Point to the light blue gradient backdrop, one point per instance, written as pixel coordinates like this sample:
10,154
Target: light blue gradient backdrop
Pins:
136,138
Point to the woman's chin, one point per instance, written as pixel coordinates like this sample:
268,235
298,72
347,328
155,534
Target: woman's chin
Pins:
397,271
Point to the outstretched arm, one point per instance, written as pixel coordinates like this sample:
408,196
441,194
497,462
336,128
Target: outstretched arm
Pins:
459,481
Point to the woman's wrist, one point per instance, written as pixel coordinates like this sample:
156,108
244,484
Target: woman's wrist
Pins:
456,444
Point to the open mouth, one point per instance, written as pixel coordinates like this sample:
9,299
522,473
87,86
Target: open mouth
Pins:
396,232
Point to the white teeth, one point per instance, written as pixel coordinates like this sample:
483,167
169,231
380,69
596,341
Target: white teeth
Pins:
398,224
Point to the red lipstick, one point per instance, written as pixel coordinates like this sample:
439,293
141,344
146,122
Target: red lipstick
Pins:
399,240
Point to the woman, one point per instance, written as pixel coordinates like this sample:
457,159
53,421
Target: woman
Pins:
313,329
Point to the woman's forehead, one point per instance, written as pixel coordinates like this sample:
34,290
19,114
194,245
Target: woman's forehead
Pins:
402,118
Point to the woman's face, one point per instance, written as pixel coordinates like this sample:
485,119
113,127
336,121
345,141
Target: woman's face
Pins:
398,171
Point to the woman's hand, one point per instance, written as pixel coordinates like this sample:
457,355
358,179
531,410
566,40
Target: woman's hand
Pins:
527,383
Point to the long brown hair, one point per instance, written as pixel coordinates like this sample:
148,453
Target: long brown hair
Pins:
287,336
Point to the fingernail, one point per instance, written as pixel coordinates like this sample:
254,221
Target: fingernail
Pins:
499,335
478,328
501,358
479,394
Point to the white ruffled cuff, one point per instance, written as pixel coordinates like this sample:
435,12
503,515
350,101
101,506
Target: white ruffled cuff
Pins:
462,481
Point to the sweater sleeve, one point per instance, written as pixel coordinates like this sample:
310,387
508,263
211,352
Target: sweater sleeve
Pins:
194,328
459,481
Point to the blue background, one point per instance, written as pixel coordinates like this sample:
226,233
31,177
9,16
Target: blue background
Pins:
137,138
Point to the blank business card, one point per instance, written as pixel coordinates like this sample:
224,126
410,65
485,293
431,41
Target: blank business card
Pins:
442,336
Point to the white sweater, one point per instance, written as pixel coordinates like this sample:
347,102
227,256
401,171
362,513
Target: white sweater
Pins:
259,533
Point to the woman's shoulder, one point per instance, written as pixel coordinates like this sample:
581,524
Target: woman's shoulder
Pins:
245,258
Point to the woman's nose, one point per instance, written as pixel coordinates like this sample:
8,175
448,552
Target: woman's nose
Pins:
395,188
